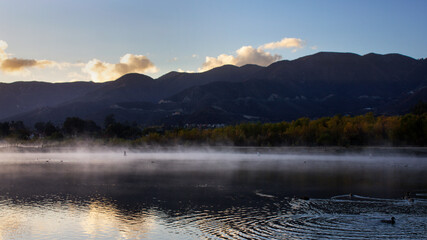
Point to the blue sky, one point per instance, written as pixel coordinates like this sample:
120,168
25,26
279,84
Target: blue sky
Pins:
59,41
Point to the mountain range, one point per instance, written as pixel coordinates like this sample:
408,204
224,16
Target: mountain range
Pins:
323,84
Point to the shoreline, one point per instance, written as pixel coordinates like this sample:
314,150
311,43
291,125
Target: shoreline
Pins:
364,150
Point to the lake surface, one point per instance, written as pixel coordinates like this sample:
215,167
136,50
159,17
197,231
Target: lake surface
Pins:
244,194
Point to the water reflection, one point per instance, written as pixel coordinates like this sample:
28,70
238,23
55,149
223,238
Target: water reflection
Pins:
186,199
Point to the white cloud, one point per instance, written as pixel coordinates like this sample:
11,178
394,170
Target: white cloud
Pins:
101,71
3,46
76,77
244,55
284,43
183,71
251,55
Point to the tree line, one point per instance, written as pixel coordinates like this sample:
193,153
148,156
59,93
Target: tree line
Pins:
362,130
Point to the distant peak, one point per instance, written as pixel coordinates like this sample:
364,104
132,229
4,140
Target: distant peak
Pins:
334,54
133,77
226,66
388,55
127,75
327,56
251,66
171,74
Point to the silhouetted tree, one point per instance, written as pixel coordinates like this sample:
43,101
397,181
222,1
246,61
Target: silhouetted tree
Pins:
45,129
75,126
39,127
419,108
18,130
4,129
49,129
109,119
125,131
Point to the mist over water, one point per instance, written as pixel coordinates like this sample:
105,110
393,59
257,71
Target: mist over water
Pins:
222,193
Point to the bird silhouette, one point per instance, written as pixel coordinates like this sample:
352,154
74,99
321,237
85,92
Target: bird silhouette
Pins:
391,221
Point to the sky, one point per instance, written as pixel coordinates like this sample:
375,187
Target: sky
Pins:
94,40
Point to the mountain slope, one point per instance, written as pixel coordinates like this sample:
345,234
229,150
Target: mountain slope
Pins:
175,82
19,97
318,85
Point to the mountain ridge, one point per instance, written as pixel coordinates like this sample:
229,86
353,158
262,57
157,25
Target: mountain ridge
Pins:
321,84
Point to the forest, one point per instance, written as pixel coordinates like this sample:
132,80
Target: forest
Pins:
362,130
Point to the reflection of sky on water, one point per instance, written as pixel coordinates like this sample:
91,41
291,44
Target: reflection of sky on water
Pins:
97,220
288,218
172,197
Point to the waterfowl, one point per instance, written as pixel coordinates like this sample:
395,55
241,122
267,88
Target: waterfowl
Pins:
408,197
391,221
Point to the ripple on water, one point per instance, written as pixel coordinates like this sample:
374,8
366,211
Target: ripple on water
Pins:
313,219
288,218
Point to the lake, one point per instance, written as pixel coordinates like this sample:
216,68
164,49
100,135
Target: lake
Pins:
288,193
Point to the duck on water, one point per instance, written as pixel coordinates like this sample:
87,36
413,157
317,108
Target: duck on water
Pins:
391,221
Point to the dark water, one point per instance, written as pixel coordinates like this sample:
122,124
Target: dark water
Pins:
212,196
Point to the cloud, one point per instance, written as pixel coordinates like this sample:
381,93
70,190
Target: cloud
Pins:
98,71
284,43
101,71
184,71
20,65
251,55
174,59
244,55
3,46
76,77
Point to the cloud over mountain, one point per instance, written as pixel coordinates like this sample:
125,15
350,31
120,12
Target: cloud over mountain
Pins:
97,70
244,55
20,65
251,55
101,71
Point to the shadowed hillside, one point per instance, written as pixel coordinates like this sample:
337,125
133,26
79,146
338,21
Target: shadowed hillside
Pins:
323,84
